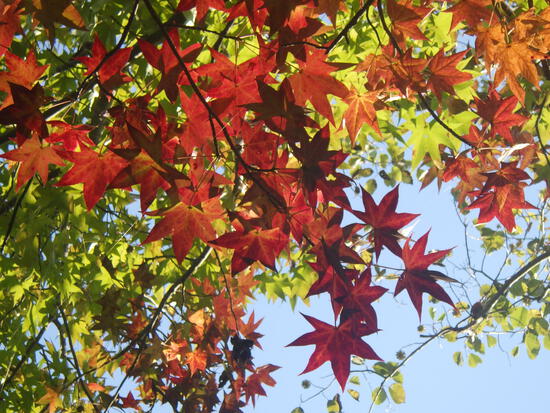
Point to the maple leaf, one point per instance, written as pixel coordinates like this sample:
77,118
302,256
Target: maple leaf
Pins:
49,12
237,82
513,56
167,63
257,379
95,387
196,360
405,18
24,72
34,158
407,73
336,344
254,245
470,11
202,7
144,171
499,113
443,74
71,136
93,170
516,59
361,110
279,12
499,204
279,110
330,8
52,399
416,278
129,401
358,303
383,219
502,192
463,167
186,222
25,110
313,82
335,281
9,23
318,163
109,73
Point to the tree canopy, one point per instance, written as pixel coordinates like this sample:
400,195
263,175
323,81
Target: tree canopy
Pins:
164,161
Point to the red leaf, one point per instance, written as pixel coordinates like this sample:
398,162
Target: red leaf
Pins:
24,72
254,382
166,62
129,401
358,302
93,170
25,110
443,73
499,204
317,164
336,344
313,82
405,19
202,6
109,73
499,113
470,11
255,245
196,360
361,110
34,158
416,278
383,219
185,223
9,24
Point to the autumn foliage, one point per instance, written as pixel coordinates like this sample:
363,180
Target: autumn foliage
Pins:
230,128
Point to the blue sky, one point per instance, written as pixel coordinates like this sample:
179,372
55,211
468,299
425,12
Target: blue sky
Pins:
432,381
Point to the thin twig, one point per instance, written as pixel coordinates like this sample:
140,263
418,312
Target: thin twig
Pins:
20,363
13,216
353,21
75,360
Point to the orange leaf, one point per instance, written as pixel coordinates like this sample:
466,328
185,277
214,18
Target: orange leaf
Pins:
52,399
361,110
34,158
196,360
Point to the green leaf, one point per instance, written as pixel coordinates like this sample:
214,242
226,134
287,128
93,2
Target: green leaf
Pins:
473,360
334,405
519,317
297,410
354,394
457,358
491,341
355,380
532,344
379,395
397,393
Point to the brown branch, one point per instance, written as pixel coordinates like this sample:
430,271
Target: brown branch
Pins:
386,28
204,29
353,21
14,215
